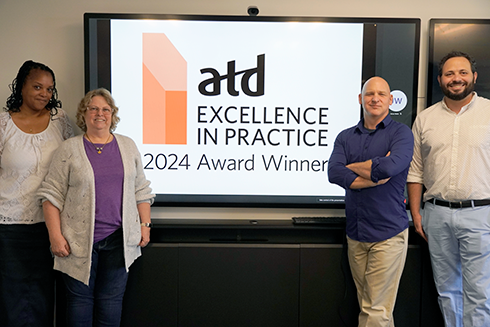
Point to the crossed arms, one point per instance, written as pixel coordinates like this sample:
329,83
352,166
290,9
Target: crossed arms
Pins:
349,170
363,170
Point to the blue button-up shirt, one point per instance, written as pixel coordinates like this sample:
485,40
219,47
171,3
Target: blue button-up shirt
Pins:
377,213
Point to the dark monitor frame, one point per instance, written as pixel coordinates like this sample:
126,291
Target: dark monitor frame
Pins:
98,72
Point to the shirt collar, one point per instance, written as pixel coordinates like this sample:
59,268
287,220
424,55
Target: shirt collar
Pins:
385,122
464,108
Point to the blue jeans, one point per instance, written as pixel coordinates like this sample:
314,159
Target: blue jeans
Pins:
99,303
459,245
26,276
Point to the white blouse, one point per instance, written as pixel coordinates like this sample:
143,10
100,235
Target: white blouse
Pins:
24,162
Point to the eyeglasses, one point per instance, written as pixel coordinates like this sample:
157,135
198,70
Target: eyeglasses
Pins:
105,111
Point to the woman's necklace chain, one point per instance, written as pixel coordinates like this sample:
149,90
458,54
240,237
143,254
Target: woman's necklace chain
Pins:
98,149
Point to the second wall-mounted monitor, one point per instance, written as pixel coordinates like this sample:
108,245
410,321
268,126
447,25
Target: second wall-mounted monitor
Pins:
467,35
244,111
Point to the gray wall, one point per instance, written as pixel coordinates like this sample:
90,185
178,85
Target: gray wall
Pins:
51,31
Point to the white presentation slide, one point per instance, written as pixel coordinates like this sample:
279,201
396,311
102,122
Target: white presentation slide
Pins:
236,108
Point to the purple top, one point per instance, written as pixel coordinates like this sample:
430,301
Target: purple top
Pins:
109,179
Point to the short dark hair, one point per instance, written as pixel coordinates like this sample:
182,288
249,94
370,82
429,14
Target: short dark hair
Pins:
14,101
454,54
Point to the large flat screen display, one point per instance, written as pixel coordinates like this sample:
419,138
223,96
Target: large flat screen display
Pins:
244,111
467,35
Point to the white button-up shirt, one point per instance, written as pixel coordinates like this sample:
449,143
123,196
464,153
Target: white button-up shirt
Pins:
451,154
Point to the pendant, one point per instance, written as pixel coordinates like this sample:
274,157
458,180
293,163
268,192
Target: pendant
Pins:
97,148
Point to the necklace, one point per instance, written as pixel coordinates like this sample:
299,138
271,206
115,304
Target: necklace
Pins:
98,149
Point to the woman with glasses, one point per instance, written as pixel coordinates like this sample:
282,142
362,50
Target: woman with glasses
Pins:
31,129
96,203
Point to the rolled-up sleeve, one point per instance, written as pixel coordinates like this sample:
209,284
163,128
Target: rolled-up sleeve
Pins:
141,184
401,151
416,171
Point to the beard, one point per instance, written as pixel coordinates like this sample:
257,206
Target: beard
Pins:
470,87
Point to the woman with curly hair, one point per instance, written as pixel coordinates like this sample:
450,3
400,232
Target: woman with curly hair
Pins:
31,128
96,202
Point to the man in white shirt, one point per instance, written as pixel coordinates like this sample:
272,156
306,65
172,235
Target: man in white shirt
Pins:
452,160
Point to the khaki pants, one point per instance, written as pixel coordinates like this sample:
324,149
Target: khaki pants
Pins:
377,268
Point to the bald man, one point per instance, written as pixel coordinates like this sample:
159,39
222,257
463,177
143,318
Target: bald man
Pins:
371,161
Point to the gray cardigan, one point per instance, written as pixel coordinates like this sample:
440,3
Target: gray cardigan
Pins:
70,186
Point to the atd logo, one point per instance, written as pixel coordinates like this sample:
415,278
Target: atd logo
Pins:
164,91
215,82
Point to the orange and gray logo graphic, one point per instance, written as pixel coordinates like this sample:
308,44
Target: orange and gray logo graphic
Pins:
164,91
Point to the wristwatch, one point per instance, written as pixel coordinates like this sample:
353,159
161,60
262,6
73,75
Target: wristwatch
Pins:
150,225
